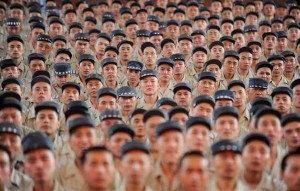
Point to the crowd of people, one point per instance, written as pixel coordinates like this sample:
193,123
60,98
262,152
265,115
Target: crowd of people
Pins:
143,95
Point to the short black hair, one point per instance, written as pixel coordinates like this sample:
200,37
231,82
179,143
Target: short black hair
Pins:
287,156
6,150
189,154
93,149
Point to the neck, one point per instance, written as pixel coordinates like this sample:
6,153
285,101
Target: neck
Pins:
82,79
19,60
254,63
163,84
94,101
178,77
228,76
198,70
125,114
253,178
296,109
289,75
141,138
134,186
150,66
226,185
268,53
44,186
291,45
133,84
243,72
241,110
98,189
276,80
150,99
111,84
99,57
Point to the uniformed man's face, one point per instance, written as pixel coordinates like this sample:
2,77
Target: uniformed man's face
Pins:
183,98
81,46
214,68
105,125
62,79
291,173
67,7
59,44
139,127
165,108
271,127
203,110
36,65
256,156
17,13
181,118
125,52
239,41
70,94
14,88
179,68
11,71
291,134
270,42
283,103
194,173
278,66
296,97
100,45
130,31
133,76
149,85
56,29
226,29
15,49
185,47
212,35
40,165
107,102
257,52
227,164
251,20
165,73
217,52
14,29
238,10
156,40
117,141
81,139
223,103
198,138
149,56
116,39
85,68
227,127
206,87
11,115
293,34
150,126
110,54
43,47
70,17
41,92
168,50
35,33
152,26
127,103
5,167
73,31
88,25
254,93
240,97
2,14
290,64
93,86
12,142
192,12
136,167
47,121
199,40
172,31
239,24
62,57
98,170
199,58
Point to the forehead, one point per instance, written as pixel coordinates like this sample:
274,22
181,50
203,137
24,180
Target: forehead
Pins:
41,84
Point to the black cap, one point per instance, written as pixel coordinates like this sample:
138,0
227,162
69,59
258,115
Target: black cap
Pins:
167,126
156,33
148,72
211,26
288,118
293,25
9,94
62,69
172,22
267,111
203,99
135,65
185,37
198,32
167,61
88,57
221,111
256,137
295,83
111,48
277,20
71,84
56,20
105,36
47,105
213,17
282,90
231,53
177,56
95,76
147,44
125,42
227,21
258,83
216,43
153,112
262,101
79,122
245,49
198,121
41,78
237,31
36,56
264,23
224,94
165,101
127,91
107,91
41,73
13,22
141,10
199,48
250,28
136,112
236,83
63,51
177,109
120,128
134,146
142,33
75,25
165,41
36,140
254,43
118,32
14,37
8,63
38,25
110,114
178,10
227,38
276,57
213,61
11,103
11,80
82,36
91,19
59,37
44,37
186,23
107,61
269,34
252,13
288,53
207,75
225,145
131,22
182,86
263,64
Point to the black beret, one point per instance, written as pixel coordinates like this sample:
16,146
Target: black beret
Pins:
258,83
227,110
254,43
71,84
108,19
70,11
177,109
207,75
167,126
256,137
120,128
131,22
153,112
269,2
225,145
135,65
231,53
165,41
44,37
56,20
276,20
17,6
200,17
127,91
40,78
80,122
148,72
36,140
88,57
282,90
198,121
11,103
162,25
11,80
238,3
34,56
47,105
187,23
8,63
125,42
167,61
214,17
239,18
63,51
125,10
177,56
276,57
236,83
134,146
165,101
227,21
149,3
263,64
252,13
178,10
198,32
203,99
215,43
38,25
107,91
192,3
204,8
153,19
91,19
182,86
268,34
82,36
95,76
267,111
228,38
107,61
224,94
237,31
110,114
64,2
118,32
295,83
14,37
62,69
199,48
59,37
288,118
142,33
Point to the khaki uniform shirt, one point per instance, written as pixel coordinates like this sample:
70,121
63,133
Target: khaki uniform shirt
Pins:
187,79
272,85
30,116
18,181
246,79
70,178
142,104
57,187
243,120
64,155
275,171
122,187
168,92
93,111
212,186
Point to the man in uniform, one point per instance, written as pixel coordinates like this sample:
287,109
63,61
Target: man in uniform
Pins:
133,71
149,56
44,45
9,68
107,99
206,84
290,124
224,98
278,79
289,71
165,104
180,70
203,106
290,170
165,73
62,74
257,88
39,162
296,98
183,95
5,169
81,47
282,99
231,60
110,72
168,47
136,121
36,62
127,99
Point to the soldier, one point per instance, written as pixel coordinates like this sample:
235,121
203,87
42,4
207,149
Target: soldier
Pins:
36,62
103,40
244,72
108,25
250,32
183,95
125,48
127,99
149,89
165,104
203,106
198,130
172,31
10,137
226,27
185,45
200,23
239,38
39,162
296,102
257,54
257,88
82,135
289,70
278,79
282,99
213,33
231,60
180,70
107,99
269,42
93,38
198,164
179,114
264,70
56,27
36,30
97,161
111,52
61,55
165,72
70,92
59,42
282,42
227,162
135,166
44,45
170,144
224,98
73,29
89,23
199,57
142,36
110,72
133,71
131,26
168,47
9,68
117,36
215,66
150,55
5,170
62,75
292,35
206,84
81,47
290,130
156,37
228,42
136,121
152,23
